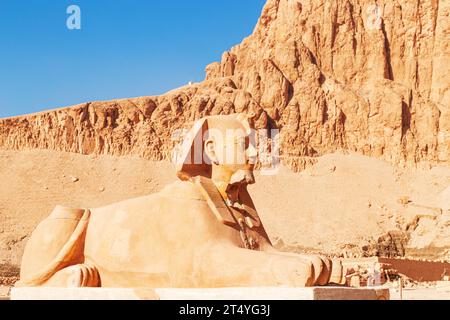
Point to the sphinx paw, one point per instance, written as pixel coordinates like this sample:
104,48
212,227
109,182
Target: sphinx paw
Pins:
78,276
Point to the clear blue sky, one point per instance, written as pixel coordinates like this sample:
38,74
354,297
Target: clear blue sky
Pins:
125,48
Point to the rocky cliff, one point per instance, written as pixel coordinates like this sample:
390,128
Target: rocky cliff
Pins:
366,76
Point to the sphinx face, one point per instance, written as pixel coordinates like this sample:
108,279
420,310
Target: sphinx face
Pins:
232,151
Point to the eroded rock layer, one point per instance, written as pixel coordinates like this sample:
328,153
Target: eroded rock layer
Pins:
358,75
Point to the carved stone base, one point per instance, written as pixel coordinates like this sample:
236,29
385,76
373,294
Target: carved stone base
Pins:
322,293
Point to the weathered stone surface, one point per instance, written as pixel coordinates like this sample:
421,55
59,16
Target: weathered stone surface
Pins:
142,126
350,74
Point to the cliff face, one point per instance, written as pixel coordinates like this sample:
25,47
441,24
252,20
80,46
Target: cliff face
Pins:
141,126
351,74
364,76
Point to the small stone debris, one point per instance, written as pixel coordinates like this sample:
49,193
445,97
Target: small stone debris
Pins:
74,179
102,189
404,200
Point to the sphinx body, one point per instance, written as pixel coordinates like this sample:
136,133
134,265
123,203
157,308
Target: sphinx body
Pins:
177,238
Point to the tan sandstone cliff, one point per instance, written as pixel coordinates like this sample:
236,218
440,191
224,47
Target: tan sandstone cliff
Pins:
360,75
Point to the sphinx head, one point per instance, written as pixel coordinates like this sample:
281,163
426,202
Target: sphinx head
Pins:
220,148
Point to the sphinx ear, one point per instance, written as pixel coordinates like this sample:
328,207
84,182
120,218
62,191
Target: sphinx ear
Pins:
211,152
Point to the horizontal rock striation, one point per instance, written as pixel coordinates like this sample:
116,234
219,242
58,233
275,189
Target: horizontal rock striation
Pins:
143,126
358,75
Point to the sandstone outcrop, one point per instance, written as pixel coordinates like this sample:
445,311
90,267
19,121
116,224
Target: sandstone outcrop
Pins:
357,75
142,126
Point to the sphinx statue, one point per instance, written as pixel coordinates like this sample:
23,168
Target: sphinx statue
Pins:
202,231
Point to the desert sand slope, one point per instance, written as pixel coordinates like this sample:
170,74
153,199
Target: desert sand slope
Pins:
347,202
342,205
33,182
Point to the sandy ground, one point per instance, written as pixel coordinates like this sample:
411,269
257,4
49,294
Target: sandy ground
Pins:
33,182
351,199
340,205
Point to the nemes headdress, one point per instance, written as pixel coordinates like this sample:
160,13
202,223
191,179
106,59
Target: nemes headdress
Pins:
192,160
